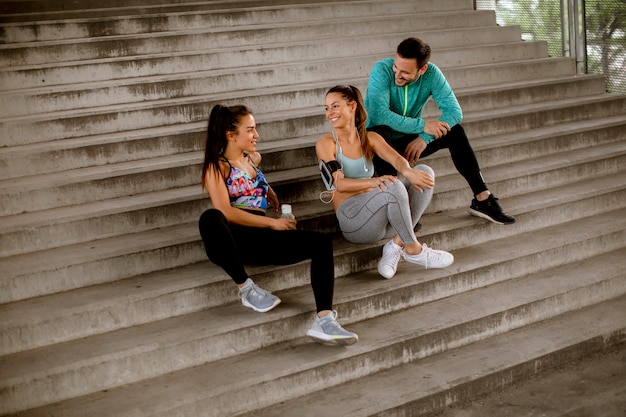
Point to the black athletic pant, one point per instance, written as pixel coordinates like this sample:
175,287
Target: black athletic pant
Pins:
455,140
230,246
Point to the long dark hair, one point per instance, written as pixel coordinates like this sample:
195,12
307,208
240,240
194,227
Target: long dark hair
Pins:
352,94
223,119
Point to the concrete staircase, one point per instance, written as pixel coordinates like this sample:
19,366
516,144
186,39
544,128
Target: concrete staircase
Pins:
108,305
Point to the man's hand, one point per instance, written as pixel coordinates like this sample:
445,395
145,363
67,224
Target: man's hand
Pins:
414,149
436,128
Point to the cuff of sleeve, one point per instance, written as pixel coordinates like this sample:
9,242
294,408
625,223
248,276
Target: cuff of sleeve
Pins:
426,137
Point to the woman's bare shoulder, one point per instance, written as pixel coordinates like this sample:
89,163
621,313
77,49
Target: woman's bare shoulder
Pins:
326,139
255,157
371,134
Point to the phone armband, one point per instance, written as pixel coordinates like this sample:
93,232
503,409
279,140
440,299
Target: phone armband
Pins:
327,169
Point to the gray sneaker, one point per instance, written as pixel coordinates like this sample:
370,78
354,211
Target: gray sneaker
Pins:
327,331
257,299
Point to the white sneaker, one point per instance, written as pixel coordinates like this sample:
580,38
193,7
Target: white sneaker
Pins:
388,263
430,258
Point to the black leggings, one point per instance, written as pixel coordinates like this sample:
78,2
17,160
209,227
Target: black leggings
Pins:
230,246
455,140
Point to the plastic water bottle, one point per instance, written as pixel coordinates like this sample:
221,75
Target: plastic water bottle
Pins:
286,213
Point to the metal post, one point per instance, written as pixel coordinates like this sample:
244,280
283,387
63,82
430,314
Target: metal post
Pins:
565,28
581,38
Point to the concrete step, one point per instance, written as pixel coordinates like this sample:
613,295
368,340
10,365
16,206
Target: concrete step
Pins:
546,114
188,62
77,223
539,173
118,118
140,89
530,144
41,10
107,259
169,293
106,294
430,384
259,34
44,9
86,185
386,320
583,381
495,97
232,16
59,155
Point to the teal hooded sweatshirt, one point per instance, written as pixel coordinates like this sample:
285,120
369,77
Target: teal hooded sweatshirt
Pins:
401,108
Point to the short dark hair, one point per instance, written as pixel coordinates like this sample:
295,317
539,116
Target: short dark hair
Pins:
415,48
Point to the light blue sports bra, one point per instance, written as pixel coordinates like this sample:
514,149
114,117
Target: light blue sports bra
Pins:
353,168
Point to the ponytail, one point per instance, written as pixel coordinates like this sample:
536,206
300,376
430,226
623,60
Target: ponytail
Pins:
222,119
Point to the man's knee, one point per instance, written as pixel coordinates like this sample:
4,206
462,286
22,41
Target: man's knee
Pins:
457,135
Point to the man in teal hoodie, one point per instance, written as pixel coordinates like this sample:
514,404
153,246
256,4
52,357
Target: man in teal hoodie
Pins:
397,92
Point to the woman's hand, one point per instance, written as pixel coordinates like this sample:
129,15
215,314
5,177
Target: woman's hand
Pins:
382,182
420,179
283,224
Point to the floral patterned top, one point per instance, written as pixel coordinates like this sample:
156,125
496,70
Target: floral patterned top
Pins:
244,191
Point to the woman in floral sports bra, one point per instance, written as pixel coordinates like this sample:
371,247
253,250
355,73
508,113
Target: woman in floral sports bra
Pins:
236,230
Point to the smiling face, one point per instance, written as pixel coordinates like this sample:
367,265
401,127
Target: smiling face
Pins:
406,71
339,112
246,135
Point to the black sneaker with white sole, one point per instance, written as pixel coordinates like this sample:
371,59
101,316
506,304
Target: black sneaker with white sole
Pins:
490,209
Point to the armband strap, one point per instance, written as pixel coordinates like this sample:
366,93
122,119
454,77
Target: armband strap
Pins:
327,169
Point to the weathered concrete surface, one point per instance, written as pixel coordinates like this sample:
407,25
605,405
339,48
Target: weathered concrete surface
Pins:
593,387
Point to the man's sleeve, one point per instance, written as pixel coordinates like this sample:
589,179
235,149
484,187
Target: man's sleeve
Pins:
378,103
445,99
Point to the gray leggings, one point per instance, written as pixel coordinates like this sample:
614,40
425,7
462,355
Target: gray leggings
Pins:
372,216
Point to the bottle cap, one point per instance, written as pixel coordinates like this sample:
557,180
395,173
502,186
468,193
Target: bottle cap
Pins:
285,208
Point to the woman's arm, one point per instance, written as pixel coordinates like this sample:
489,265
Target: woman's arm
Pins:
386,152
326,151
418,178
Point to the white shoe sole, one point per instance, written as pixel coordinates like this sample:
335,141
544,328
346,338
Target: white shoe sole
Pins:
330,340
260,310
483,215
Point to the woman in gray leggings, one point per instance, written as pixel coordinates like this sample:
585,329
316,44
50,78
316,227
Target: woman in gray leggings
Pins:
371,208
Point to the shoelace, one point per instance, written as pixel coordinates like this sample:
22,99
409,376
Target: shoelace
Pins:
256,290
331,317
259,291
429,253
393,260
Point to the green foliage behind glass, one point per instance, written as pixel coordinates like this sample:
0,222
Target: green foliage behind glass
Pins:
540,20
